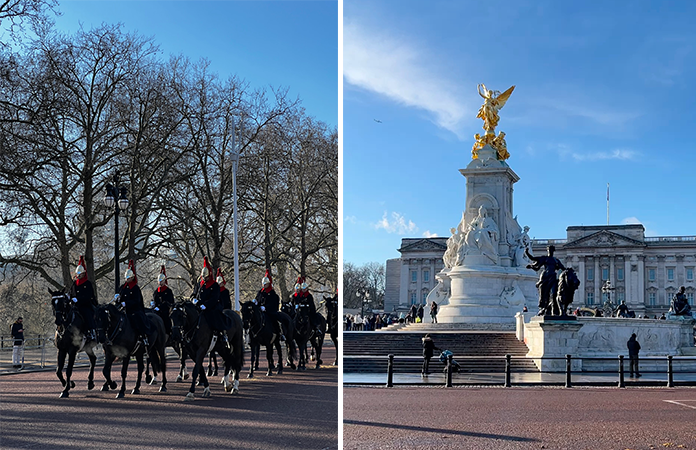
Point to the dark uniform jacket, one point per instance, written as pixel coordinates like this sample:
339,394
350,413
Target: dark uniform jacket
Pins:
225,299
164,300
269,300
133,298
86,301
210,298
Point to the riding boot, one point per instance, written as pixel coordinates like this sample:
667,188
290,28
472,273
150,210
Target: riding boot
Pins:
146,343
92,335
225,340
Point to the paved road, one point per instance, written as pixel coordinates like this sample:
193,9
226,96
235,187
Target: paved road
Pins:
518,418
297,410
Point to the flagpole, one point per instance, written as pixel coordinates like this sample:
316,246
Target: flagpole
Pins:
235,162
607,203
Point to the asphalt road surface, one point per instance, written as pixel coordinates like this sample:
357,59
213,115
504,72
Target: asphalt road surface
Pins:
518,418
296,410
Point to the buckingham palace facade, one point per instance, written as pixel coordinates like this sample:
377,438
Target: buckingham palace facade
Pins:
644,271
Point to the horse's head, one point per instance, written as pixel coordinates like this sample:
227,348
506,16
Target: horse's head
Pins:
249,310
287,308
182,315
106,318
61,306
302,318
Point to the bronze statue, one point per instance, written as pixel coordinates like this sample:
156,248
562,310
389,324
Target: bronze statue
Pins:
568,283
548,283
680,304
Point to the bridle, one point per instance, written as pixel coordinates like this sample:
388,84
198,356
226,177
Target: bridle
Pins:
186,336
117,327
254,312
62,313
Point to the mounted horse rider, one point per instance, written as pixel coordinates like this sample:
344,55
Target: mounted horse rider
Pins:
206,296
131,298
301,298
163,300
82,294
269,301
225,299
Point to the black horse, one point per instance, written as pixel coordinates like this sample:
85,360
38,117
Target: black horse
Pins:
305,333
69,340
262,332
121,341
331,304
191,329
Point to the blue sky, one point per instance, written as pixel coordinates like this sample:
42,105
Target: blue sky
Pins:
291,44
604,94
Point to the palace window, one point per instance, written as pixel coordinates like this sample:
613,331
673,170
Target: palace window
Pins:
425,296
620,274
690,297
426,276
690,274
652,299
414,276
590,274
651,274
413,298
670,274
590,298
605,273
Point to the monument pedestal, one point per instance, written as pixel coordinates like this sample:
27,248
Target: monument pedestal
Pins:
553,338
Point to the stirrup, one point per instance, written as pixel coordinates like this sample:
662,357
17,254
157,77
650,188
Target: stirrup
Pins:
282,338
146,343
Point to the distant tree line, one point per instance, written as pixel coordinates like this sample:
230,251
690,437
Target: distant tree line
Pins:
76,108
369,277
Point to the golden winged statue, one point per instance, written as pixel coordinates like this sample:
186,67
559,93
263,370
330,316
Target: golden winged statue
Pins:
493,101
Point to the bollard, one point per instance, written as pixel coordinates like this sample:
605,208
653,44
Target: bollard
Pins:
507,370
670,372
622,384
449,371
568,371
390,371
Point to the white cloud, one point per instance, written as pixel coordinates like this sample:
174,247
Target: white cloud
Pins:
351,219
620,154
398,224
428,234
380,63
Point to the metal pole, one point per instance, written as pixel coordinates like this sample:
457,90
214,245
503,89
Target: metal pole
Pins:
508,364
622,384
568,371
235,162
117,281
390,371
670,372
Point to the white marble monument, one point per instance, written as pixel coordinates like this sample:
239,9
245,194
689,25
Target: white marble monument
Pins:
485,279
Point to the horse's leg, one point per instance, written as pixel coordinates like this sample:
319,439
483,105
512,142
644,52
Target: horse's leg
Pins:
215,364
209,372
106,371
319,345
92,363
334,338
279,349
150,379
253,360
141,368
124,372
269,358
61,363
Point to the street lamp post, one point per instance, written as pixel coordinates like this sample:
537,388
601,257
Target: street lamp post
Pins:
364,296
117,197
607,289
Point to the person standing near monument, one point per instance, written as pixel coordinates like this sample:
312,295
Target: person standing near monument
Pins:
433,312
428,349
633,349
18,343
548,281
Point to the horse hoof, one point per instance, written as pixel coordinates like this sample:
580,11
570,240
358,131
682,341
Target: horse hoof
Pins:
153,381
179,379
135,391
64,394
186,376
319,362
215,373
105,387
120,395
228,388
206,393
251,375
269,373
335,363
189,397
163,388
72,384
198,383
280,371
317,366
235,391
148,379
209,373
293,366
113,385
90,385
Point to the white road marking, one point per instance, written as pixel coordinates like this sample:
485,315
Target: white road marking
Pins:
682,404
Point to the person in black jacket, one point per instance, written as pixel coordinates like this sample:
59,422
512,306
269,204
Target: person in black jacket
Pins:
163,300
303,297
428,348
131,297
633,349
18,343
82,294
225,299
269,301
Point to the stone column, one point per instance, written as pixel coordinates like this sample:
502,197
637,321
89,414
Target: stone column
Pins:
582,274
597,281
553,339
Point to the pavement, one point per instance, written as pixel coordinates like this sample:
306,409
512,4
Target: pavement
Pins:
473,418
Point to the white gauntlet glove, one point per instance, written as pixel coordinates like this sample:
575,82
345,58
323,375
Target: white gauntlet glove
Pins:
195,301
263,308
202,307
74,300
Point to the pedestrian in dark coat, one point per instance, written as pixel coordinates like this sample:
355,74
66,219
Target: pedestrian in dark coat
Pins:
163,300
82,294
428,349
633,349
18,343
